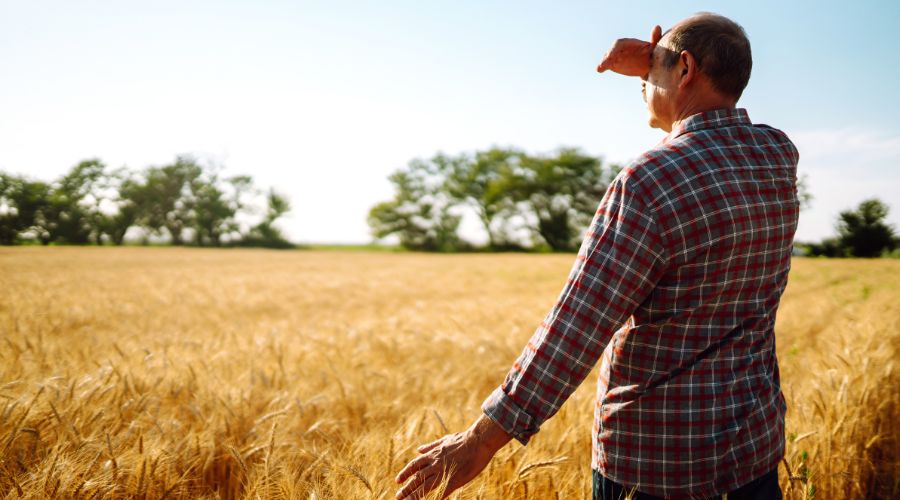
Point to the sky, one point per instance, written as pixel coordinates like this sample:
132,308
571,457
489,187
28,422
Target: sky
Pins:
322,100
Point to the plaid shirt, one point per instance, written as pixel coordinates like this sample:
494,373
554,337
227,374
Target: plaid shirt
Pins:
675,290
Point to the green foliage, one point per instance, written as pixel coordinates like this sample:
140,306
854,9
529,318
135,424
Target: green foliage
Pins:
265,234
829,247
861,233
169,202
91,204
215,206
8,212
485,182
75,204
129,198
864,232
420,213
25,207
553,198
562,190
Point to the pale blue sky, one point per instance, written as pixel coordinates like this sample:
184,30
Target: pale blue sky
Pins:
324,99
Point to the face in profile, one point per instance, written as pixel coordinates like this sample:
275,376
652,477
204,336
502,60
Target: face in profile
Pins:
658,87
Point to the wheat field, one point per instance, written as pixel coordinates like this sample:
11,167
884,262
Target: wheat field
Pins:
164,372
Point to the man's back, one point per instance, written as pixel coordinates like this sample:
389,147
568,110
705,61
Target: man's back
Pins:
690,250
689,398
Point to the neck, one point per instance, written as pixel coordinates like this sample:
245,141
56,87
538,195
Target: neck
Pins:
700,103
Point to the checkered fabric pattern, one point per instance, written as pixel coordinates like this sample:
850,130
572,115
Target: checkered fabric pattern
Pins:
674,291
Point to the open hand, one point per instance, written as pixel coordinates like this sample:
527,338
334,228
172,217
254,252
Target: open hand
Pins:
458,458
630,56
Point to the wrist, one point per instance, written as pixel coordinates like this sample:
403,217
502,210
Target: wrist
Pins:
488,434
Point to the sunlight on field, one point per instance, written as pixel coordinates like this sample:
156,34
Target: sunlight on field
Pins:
236,373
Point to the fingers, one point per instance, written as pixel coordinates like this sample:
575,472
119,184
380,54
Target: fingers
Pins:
431,483
420,485
604,65
426,447
629,56
414,466
609,59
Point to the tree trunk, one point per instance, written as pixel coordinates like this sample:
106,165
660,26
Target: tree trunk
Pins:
486,222
117,234
175,234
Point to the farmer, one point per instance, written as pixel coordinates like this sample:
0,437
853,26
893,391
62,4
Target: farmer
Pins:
674,291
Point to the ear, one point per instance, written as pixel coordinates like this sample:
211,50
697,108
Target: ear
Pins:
688,68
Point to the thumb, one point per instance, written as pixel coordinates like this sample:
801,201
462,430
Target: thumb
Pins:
656,35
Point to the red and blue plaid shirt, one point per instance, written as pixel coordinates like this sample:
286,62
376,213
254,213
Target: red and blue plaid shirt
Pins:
675,290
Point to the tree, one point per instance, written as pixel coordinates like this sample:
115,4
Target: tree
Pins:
9,220
562,192
484,182
214,209
421,212
829,247
90,204
78,197
71,212
804,196
863,232
24,208
266,234
167,202
130,196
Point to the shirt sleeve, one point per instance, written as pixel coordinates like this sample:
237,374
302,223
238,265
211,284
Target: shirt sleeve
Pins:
619,263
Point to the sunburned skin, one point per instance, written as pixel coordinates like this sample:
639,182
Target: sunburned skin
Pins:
630,56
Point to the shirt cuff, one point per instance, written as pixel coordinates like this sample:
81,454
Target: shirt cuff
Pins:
500,408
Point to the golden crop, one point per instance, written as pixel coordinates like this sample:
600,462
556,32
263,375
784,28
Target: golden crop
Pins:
263,374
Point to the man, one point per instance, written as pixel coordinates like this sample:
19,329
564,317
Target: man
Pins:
687,257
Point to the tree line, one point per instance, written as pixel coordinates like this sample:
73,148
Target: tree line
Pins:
522,201
545,202
862,232
183,202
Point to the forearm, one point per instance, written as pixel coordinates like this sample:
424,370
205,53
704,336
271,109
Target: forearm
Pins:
545,374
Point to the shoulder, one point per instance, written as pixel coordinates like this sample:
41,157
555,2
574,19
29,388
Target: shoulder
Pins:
653,172
779,139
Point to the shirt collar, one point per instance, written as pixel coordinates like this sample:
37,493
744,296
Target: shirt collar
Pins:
716,118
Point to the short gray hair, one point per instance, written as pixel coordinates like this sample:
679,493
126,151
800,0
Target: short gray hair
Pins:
720,47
